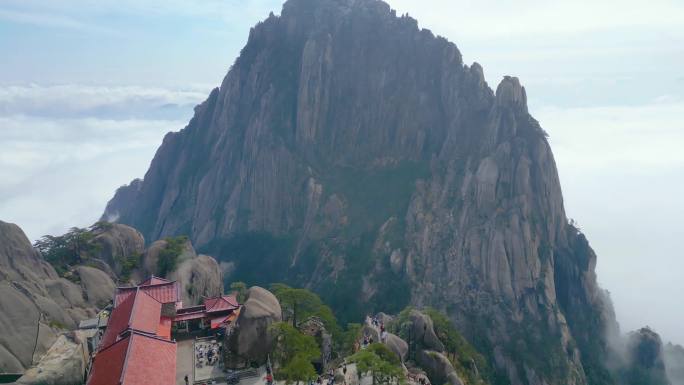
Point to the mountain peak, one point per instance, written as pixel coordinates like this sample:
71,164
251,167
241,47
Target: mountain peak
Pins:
352,153
509,93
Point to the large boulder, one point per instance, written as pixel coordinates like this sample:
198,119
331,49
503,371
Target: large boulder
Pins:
384,318
438,367
397,345
150,261
63,364
251,340
36,303
21,322
198,277
98,286
424,331
116,243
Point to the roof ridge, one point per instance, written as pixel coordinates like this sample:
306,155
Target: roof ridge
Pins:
109,346
146,335
148,281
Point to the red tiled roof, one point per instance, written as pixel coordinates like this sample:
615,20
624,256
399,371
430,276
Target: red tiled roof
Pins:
145,314
189,316
138,311
137,359
118,321
122,293
164,292
109,363
154,281
150,361
223,303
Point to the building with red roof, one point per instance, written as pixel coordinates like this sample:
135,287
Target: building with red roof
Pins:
138,311
215,312
137,347
135,359
161,289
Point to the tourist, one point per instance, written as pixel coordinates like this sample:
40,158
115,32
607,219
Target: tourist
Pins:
187,381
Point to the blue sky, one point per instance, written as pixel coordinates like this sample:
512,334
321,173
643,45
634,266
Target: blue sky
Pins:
89,87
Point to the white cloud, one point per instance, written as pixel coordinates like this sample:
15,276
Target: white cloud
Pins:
604,139
58,173
76,100
620,169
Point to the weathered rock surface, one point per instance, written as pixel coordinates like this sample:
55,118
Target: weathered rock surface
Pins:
251,339
388,165
150,261
397,345
116,243
97,285
36,303
438,367
198,277
424,331
63,364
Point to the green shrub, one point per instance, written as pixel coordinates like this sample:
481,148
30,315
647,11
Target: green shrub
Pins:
168,257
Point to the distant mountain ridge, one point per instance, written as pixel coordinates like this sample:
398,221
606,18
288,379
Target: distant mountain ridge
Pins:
353,153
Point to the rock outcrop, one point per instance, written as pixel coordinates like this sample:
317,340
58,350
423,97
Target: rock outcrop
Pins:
98,287
438,367
117,242
360,157
645,359
314,327
424,331
63,364
198,275
36,303
251,340
397,345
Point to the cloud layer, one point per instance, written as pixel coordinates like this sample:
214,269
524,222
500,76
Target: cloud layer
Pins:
65,149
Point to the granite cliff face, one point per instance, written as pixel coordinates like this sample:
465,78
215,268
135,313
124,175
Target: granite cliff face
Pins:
352,152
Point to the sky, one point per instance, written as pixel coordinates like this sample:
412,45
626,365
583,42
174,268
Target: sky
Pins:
88,88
